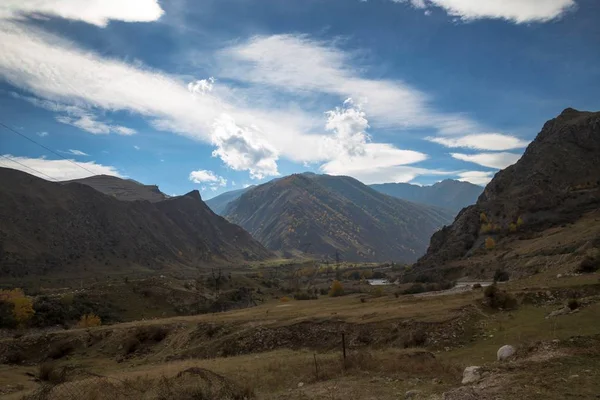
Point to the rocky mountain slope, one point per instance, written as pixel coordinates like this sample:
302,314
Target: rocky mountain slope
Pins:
322,215
53,228
122,189
554,184
450,194
219,203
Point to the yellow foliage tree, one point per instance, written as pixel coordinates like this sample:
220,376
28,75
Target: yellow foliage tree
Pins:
483,218
89,321
337,289
520,222
512,228
22,306
490,244
486,228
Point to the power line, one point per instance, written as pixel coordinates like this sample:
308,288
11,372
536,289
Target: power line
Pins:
47,148
28,167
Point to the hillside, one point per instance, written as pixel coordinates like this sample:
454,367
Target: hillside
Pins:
450,194
219,203
52,228
547,191
122,189
322,215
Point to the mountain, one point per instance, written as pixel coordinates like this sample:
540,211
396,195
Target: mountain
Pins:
556,182
322,215
450,194
54,228
219,203
122,189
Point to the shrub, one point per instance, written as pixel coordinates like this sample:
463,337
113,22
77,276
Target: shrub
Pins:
499,299
477,286
512,227
337,289
284,299
89,321
19,305
573,304
490,243
589,264
414,289
483,218
60,349
323,291
377,292
363,300
304,296
501,276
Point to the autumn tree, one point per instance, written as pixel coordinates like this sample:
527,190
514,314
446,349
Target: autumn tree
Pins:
337,289
22,306
490,243
483,218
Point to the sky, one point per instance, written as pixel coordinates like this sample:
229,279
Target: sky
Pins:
216,95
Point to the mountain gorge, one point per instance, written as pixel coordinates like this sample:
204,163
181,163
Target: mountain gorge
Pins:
52,228
552,187
324,215
450,194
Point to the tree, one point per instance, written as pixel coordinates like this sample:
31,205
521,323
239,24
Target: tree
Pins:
483,218
512,228
490,243
337,289
520,222
89,321
22,306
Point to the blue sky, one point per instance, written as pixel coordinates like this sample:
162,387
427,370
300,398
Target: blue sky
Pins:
217,94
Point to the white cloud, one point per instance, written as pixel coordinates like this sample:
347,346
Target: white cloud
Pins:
136,147
97,12
349,125
202,86
58,169
42,134
484,141
297,64
209,178
243,148
491,160
518,11
247,185
122,130
476,177
77,152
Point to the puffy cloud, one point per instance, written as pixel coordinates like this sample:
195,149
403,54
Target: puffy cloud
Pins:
476,177
209,177
243,148
484,141
61,170
97,12
349,125
201,86
518,11
491,160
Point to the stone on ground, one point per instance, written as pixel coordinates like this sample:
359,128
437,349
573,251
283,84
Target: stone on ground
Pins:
505,352
471,374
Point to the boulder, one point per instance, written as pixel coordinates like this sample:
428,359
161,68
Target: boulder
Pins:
471,375
505,352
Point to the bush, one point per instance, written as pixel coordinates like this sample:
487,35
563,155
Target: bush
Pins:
490,243
60,350
377,292
16,303
573,304
589,264
501,276
415,288
337,289
499,299
89,321
304,296
48,372
477,286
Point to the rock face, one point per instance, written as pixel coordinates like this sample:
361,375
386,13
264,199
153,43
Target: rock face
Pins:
505,352
122,189
50,228
471,375
323,215
555,181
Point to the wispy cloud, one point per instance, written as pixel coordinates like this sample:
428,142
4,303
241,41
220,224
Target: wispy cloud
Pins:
58,169
76,152
490,160
97,12
484,141
476,177
518,11
42,134
136,147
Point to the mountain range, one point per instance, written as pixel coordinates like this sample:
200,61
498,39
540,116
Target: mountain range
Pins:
450,194
556,181
50,227
335,216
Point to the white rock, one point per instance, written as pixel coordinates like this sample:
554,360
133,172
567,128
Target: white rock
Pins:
559,276
300,384
471,374
505,352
